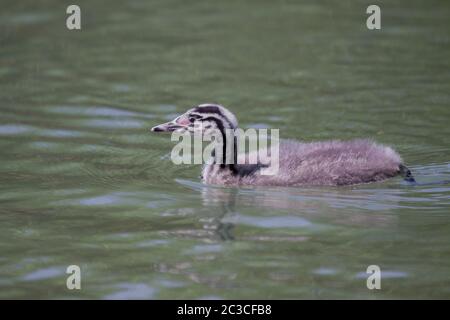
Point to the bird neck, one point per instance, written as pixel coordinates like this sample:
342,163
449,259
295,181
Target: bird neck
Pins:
229,145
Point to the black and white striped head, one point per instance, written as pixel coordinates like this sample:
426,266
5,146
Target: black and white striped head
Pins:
202,118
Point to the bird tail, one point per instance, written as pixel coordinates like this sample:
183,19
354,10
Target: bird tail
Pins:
408,177
406,174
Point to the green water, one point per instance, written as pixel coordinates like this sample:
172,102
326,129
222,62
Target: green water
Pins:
84,182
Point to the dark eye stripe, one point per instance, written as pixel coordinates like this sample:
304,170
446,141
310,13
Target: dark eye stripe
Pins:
211,111
195,116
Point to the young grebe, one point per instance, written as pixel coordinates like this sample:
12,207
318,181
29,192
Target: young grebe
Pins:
326,163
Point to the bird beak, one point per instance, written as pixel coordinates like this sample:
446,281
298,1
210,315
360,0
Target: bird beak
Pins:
166,127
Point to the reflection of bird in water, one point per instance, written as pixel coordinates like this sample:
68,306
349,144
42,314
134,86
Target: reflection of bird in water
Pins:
326,163
309,210
226,201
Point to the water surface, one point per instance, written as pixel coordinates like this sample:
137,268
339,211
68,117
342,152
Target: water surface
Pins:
84,182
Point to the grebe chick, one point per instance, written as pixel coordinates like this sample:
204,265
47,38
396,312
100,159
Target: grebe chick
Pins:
325,163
